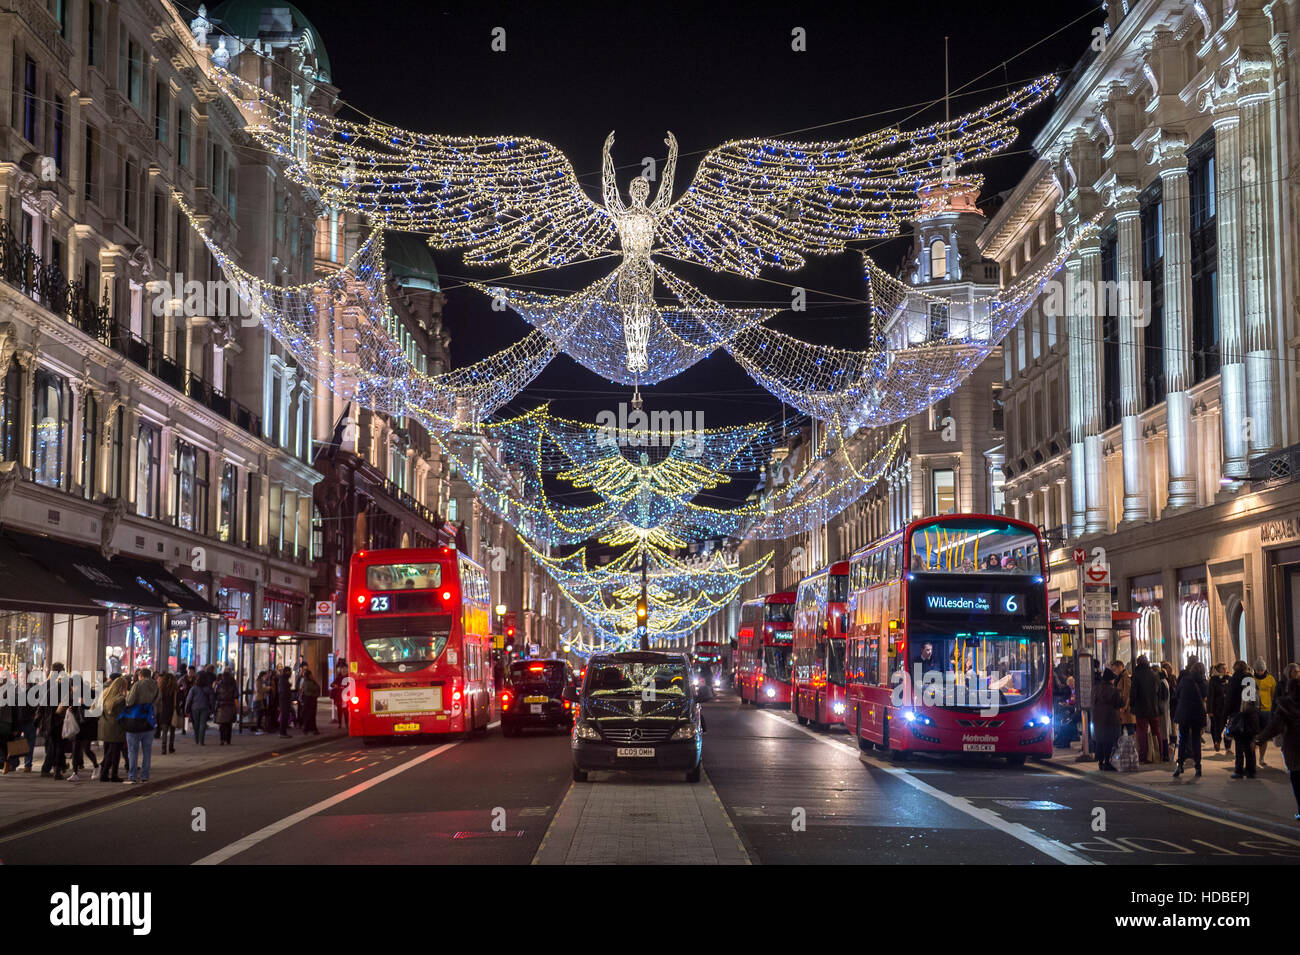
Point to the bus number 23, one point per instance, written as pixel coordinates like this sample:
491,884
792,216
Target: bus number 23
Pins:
379,604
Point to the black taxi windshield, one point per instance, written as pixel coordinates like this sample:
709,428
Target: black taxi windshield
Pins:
623,678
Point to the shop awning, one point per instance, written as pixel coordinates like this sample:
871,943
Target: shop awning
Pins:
87,571
280,636
166,585
25,585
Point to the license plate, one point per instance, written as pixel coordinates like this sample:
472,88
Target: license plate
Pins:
536,699
406,727
639,751
978,747
535,708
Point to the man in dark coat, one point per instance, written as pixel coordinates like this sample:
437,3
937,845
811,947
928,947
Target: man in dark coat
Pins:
1217,705
283,695
1189,714
1286,720
1106,704
49,721
1243,719
308,694
1144,701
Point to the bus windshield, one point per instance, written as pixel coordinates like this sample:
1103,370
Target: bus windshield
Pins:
406,642
1005,669
975,546
404,576
780,613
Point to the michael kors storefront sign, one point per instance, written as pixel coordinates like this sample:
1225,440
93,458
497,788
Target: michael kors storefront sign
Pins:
1279,531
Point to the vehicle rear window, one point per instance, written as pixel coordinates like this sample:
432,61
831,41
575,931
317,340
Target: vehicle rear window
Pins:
549,672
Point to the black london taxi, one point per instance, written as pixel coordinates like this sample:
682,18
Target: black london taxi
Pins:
637,710
533,695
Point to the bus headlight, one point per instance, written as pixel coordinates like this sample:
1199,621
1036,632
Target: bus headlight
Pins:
919,719
839,709
1038,721
771,690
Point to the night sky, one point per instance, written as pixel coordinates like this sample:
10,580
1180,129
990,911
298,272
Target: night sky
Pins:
709,72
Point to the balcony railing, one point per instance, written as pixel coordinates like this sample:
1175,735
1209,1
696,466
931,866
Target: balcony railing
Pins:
44,283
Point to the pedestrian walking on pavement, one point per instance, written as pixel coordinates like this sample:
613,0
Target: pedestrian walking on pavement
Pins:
1145,703
87,732
1106,704
49,721
1267,687
1286,721
259,702
111,732
139,719
1190,714
19,738
1243,721
282,693
339,683
308,695
1165,695
1123,684
166,709
227,697
199,704
1217,704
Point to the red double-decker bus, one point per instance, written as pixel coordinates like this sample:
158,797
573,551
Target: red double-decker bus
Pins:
820,630
763,649
949,648
419,647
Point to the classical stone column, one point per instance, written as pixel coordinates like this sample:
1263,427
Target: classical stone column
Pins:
1232,385
1089,327
1169,152
1077,347
1257,312
1128,274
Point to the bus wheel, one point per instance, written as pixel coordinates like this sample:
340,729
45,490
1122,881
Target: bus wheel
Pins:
1017,760
370,740
865,745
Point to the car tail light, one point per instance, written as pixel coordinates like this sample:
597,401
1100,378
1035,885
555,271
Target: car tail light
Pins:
566,704
446,595
455,696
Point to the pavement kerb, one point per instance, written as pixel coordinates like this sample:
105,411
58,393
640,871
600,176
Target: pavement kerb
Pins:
120,792
1211,808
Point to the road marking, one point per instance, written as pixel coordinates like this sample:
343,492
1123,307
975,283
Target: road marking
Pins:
266,832
1059,851
1152,797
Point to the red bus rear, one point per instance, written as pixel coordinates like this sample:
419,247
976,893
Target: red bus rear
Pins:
820,629
419,648
949,646
763,648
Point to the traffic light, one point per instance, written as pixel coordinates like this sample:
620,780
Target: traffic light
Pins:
642,610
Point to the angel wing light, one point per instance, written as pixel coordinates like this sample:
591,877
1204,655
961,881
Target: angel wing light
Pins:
517,201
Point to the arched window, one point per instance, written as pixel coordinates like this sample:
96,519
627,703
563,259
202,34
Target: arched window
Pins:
938,260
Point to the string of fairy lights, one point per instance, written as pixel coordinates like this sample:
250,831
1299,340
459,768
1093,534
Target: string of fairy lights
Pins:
752,204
